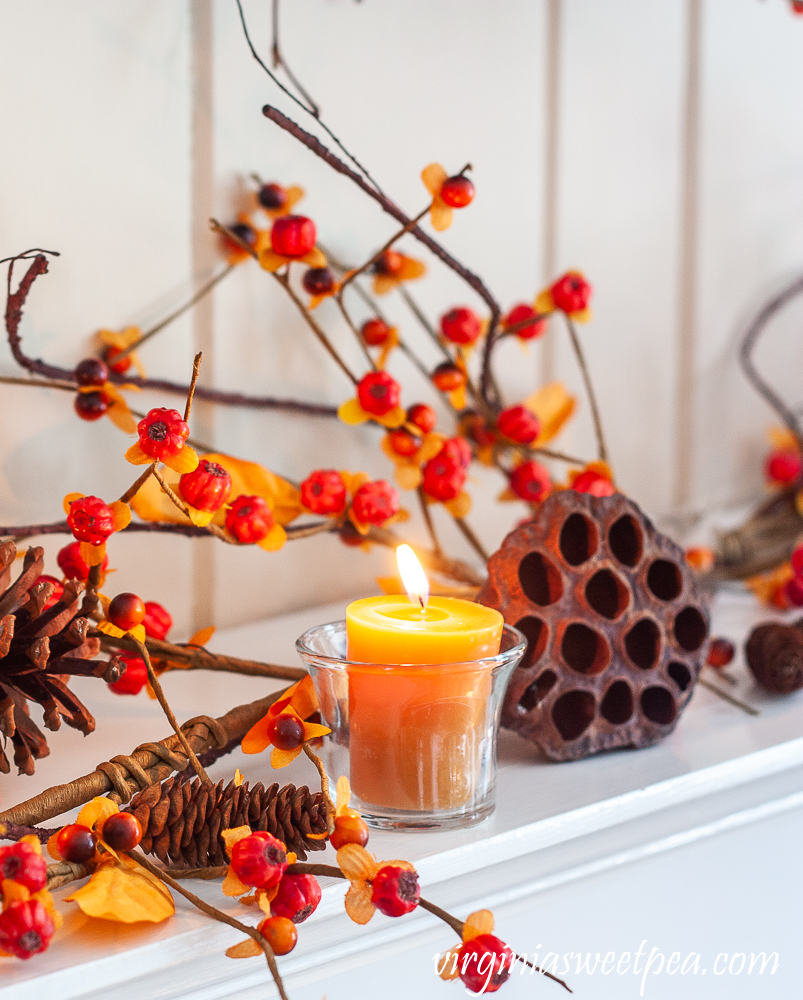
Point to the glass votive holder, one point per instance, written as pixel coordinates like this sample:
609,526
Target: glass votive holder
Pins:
416,741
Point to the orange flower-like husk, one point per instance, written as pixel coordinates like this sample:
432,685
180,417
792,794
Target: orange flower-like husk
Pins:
303,699
782,439
352,413
460,506
601,468
272,261
281,758
122,891
440,213
390,344
294,194
360,867
120,342
553,406
410,270
766,585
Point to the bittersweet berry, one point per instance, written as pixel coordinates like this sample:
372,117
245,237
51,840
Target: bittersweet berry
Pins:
318,281
293,235
375,332
458,450
474,427
207,487
26,928
296,898
72,565
784,466
484,963
792,593
76,843
378,393
594,483
281,934
443,477
162,433
571,293
126,611
249,519
423,416
519,424
350,828
457,191
91,371
90,520
448,377
272,196
720,652
111,356
390,262
530,481
90,405
286,732
374,503
157,621
403,443
134,676
520,313
259,860
461,325
395,891
121,831
324,492
24,864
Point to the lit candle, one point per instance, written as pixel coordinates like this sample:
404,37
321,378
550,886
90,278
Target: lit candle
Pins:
417,721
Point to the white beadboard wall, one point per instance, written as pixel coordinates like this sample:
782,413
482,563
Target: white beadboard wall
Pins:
658,147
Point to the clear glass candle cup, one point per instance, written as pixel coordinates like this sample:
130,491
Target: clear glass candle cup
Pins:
416,741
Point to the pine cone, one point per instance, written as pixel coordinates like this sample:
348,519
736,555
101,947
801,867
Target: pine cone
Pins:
39,649
182,821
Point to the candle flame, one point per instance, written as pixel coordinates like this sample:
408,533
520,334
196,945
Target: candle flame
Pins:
413,577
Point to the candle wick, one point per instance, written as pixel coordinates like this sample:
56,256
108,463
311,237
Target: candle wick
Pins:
421,602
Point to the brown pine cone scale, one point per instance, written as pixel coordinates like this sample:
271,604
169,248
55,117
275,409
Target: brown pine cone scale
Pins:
182,820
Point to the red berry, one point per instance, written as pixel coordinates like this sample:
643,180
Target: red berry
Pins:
286,732
395,891
457,191
484,963
457,450
293,235
272,196
378,393
90,520
91,371
281,934
318,281
375,502
796,560
349,829
162,433
522,312
90,405
207,487
720,652
134,676
121,831
25,928
461,325
259,860
531,482
324,492
792,593
784,466
519,424
797,6
296,898
375,332
121,366
126,611
448,377
571,292
76,843
72,564
423,416
443,477
594,483
390,262
24,864
58,589
403,443
249,519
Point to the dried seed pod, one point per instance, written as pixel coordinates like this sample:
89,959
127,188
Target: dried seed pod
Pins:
774,654
616,626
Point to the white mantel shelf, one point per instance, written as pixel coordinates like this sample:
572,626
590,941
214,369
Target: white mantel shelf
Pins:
693,844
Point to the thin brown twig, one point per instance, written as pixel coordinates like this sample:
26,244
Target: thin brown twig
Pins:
330,806
592,399
216,914
471,538
280,62
728,697
196,367
427,515
42,383
135,487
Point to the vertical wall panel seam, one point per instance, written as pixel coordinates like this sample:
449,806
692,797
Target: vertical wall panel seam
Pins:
203,262
551,143
689,236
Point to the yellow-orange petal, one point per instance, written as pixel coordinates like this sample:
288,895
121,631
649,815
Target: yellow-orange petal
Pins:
256,739
354,480
245,949
121,515
393,418
304,698
343,794
136,456
94,813
457,398
478,922
507,495
271,261
408,475
433,175
53,848
107,628
430,446
356,863
358,904
186,461
553,406
93,555
411,269
440,215
138,633
233,835
293,194
120,415
447,967
315,258
281,758
200,518
14,892
352,413
460,506
69,499
361,526
581,316
274,540
391,342
312,731
384,283
543,304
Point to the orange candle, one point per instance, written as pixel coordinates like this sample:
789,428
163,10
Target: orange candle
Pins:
417,722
